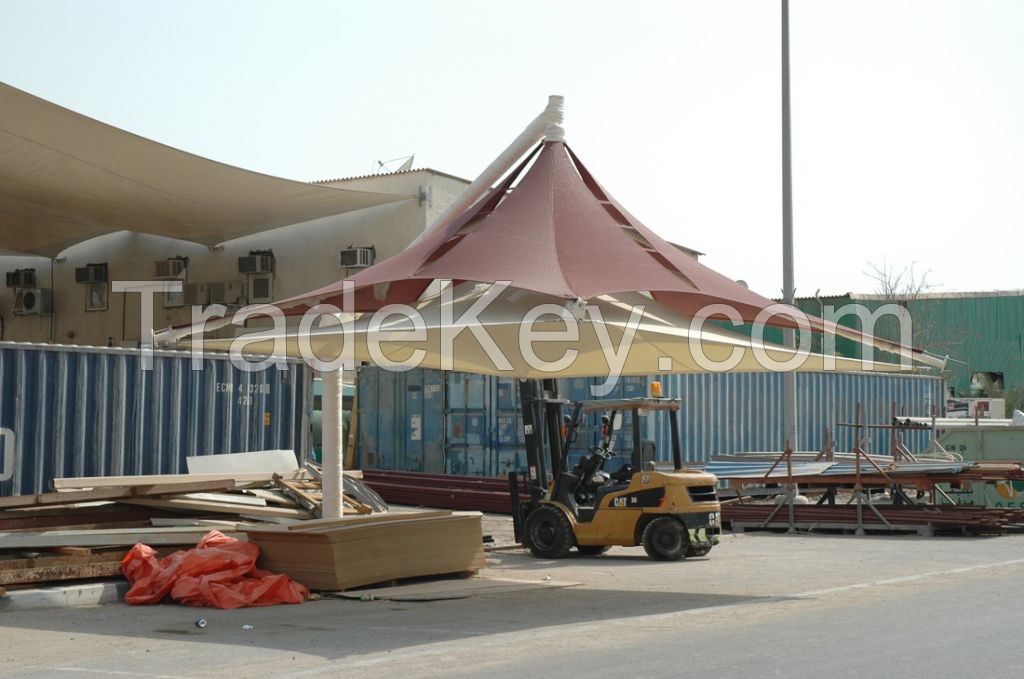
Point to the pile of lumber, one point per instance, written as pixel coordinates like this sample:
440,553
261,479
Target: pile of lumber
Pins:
338,554
83,528
897,518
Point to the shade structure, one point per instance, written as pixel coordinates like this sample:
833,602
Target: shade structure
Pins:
65,178
624,334
550,227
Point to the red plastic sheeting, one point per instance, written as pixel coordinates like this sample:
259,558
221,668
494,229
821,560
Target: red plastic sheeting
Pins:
219,572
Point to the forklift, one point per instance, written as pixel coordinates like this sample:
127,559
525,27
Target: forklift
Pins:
672,513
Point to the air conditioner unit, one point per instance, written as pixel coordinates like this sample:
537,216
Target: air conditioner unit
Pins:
170,268
357,257
226,292
92,273
21,278
254,264
33,302
261,289
196,293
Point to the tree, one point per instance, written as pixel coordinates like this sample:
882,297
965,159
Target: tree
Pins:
896,284
909,287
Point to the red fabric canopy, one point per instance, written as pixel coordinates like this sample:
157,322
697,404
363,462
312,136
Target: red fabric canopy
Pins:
557,232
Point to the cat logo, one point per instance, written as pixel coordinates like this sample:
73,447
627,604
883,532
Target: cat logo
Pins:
619,502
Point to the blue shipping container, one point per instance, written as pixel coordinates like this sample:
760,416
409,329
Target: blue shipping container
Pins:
401,420
481,430
83,411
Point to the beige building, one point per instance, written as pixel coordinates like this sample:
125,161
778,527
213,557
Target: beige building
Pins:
84,205
305,256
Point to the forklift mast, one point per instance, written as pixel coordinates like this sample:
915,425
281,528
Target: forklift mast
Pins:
542,422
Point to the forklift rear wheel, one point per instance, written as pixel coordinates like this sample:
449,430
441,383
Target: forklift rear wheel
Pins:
592,550
548,533
665,539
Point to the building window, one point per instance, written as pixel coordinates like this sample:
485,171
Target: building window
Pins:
96,297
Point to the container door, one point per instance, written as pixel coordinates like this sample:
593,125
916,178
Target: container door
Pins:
466,421
510,443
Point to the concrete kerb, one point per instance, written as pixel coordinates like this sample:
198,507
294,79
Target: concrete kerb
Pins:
64,596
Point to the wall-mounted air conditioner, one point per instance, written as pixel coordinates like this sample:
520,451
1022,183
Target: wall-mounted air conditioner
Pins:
92,273
230,293
256,264
21,278
196,293
173,267
261,289
357,257
33,302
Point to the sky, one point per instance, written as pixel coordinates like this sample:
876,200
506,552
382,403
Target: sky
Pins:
908,115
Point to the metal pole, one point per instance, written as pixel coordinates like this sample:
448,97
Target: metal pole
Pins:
333,436
788,284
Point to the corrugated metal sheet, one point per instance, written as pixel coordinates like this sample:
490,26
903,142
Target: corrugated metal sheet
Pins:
983,331
81,411
722,413
740,412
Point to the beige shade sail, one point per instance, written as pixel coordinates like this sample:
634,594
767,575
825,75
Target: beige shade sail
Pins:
65,178
662,341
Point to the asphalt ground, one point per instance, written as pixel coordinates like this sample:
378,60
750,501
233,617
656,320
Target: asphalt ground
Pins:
775,605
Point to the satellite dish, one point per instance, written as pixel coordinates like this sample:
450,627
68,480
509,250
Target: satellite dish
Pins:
381,166
743,283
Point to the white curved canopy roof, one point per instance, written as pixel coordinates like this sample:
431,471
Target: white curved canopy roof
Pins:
65,178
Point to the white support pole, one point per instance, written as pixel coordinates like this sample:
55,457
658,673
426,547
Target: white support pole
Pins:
534,132
333,443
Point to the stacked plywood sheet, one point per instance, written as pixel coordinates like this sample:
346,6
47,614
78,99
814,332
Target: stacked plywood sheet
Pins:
83,529
353,552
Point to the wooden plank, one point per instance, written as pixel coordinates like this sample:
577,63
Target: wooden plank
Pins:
227,498
79,571
205,523
317,524
101,538
356,504
219,508
70,483
63,498
265,461
309,502
45,568
106,525
113,493
96,516
275,497
183,486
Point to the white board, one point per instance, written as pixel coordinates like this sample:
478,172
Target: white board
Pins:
268,461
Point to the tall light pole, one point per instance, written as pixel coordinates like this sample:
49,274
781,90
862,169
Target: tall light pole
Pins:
788,285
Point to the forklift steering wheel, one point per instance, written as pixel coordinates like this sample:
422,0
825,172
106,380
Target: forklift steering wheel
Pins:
602,453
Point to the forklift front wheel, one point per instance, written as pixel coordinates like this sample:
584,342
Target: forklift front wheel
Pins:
548,533
665,539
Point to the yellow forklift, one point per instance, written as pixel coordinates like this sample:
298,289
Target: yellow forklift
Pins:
674,513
